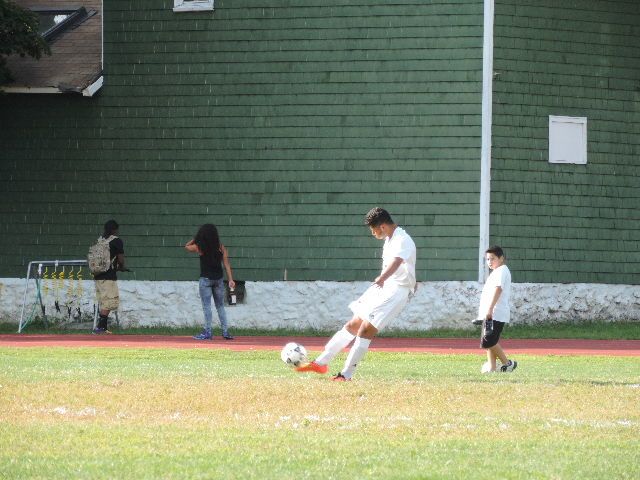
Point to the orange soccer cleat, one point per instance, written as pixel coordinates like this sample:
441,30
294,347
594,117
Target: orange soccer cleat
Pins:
312,367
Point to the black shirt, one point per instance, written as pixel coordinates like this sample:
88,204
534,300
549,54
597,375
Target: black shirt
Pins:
116,246
210,267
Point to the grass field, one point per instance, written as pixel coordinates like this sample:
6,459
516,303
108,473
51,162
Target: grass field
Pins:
110,413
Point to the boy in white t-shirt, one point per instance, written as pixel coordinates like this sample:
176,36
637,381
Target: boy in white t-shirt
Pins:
381,302
494,310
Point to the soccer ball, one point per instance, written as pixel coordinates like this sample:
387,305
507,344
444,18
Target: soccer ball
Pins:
294,354
486,367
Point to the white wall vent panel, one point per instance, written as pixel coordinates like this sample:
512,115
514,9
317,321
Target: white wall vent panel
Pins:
567,139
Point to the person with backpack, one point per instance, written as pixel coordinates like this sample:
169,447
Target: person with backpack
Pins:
213,255
104,265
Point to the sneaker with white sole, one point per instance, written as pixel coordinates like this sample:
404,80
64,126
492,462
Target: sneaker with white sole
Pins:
509,367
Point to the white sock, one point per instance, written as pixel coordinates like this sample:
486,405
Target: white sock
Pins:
334,346
357,352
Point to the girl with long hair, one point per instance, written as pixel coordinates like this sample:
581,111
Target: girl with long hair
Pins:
213,255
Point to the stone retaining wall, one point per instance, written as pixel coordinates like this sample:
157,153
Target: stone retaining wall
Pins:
323,305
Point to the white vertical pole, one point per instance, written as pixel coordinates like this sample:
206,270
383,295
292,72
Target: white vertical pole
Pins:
102,37
24,298
485,154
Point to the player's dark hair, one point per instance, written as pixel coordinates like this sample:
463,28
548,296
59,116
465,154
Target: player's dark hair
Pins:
109,228
496,250
208,242
377,216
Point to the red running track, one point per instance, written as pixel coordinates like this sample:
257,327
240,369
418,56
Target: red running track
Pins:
630,348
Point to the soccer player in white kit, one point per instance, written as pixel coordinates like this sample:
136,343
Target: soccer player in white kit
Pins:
381,302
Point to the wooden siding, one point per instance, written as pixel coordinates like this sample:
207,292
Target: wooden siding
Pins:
567,223
281,122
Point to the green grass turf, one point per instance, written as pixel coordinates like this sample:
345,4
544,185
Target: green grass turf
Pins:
134,413
587,330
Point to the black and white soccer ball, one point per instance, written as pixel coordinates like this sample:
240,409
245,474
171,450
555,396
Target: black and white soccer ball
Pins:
294,354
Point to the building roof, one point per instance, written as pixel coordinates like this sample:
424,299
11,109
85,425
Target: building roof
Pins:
75,63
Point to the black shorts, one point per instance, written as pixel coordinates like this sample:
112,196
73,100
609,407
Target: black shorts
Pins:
491,338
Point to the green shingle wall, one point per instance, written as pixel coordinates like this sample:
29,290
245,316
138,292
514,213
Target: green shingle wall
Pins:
282,122
567,223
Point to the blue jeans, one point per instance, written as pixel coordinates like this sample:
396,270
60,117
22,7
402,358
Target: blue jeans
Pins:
213,288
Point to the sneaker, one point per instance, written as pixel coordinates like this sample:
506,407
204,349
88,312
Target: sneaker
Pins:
340,378
312,367
228,337
100,331
204,335
509,367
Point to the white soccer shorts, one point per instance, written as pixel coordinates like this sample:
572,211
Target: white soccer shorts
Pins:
379,306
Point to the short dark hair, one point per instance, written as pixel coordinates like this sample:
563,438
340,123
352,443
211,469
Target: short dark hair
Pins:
496,250
377,216
110,227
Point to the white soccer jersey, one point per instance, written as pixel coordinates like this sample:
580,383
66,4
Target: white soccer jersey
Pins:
500,277
400,245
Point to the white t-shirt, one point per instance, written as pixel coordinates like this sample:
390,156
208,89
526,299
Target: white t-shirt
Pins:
500,277
400,245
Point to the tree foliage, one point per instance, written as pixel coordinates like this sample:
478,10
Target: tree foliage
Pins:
18,36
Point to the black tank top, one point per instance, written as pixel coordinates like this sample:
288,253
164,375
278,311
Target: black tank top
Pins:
209,268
